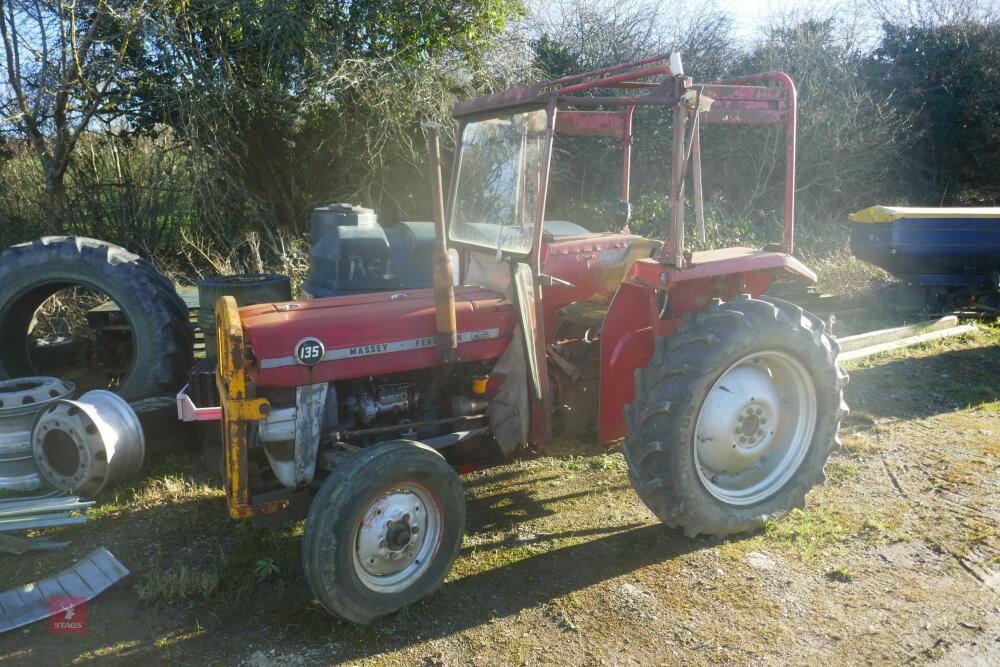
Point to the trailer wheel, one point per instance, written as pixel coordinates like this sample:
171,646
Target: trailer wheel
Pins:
734,416
383,530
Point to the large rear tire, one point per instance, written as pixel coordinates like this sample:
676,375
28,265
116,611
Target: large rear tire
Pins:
30,273
383,531
734,416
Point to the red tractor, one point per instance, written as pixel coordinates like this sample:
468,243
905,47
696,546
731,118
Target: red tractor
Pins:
363,409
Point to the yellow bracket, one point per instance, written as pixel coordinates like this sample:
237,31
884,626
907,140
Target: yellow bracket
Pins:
237,411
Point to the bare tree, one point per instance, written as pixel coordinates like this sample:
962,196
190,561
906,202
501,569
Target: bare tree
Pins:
62,67
612,32
932,13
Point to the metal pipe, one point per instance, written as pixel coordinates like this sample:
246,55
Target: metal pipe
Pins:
614,68
543,189
676,257
791,121
699,197
651,99
604,83
444,284
405,426
627,150
541,408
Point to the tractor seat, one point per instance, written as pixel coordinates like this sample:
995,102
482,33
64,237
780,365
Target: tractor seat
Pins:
589,312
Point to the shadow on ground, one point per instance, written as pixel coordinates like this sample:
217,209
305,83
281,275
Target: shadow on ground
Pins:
926,386
124,631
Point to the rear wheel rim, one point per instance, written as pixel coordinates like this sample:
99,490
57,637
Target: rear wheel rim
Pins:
397,538
755,427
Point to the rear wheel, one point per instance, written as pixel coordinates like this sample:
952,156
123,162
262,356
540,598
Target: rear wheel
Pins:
383,531
735,416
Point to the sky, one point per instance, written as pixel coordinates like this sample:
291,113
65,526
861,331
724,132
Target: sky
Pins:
747,14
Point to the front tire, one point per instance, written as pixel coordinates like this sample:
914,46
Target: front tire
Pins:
383,531
734,416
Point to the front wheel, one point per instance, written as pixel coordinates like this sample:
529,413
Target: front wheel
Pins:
383,531
735,416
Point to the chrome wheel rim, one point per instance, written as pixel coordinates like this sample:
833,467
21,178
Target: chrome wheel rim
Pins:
754,427
397,538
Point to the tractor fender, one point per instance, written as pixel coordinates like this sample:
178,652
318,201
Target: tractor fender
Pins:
634,320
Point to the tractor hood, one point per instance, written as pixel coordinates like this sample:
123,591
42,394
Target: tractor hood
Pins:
368,334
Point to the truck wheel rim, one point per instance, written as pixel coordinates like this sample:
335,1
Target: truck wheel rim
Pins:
754,427
397,538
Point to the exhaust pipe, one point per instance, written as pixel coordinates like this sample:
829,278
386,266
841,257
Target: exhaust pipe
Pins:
444,284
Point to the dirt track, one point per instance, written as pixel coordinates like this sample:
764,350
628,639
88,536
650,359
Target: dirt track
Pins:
894,560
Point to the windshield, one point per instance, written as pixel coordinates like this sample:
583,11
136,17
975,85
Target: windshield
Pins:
498,180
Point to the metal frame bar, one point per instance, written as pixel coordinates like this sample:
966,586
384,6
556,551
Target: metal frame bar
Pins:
738,101
744,91
610,81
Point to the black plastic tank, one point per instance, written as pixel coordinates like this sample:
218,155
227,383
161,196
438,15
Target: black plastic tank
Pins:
351,253
411,247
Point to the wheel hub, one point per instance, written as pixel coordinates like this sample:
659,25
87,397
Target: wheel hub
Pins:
398,536
737,420
754,427
395,538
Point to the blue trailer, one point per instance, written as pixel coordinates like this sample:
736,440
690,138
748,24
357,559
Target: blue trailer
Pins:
950,255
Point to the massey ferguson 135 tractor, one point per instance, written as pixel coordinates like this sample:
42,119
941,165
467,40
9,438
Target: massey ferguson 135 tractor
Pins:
364,408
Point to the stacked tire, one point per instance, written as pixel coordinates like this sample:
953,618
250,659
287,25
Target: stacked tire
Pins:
247,288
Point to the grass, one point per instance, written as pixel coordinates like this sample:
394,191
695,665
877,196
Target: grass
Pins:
844,274
223,559
838,471
813,529
162,490
232,564
828,523
176,584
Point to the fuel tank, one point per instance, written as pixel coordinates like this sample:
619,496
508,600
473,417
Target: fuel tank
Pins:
376,333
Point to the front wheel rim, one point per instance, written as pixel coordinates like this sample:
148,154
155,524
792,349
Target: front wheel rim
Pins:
755,427
397,538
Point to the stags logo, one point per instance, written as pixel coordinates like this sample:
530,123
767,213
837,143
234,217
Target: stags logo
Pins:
67,615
